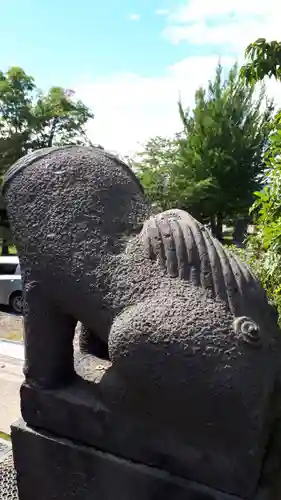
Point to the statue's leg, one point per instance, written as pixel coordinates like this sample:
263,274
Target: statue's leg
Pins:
48,340
89,343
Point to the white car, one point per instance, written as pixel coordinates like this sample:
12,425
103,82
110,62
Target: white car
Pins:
11,283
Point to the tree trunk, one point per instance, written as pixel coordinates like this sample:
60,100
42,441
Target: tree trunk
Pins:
52,132
216,226
213,226
240,230
219,233
5,248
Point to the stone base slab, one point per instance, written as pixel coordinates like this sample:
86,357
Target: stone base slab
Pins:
52,468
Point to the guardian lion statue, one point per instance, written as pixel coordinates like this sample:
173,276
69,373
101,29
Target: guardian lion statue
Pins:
188,329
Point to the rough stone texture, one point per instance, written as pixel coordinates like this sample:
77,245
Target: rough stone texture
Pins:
8,483
194,345
90,204
4,447
85,473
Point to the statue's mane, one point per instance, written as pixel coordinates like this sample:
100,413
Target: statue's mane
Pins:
185,249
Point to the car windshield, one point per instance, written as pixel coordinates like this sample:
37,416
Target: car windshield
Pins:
9,266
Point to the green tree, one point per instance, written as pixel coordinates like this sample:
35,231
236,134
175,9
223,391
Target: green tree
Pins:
16,92
226,136
264,60
212,167
166,180
58,119
30,119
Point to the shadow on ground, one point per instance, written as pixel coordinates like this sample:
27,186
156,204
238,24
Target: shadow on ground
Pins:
8,310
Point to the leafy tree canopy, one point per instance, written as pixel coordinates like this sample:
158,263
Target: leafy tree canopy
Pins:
212,167
264,60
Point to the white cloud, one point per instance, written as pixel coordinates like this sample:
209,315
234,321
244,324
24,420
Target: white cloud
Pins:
134,17
162,12
231,24
130,108
195,10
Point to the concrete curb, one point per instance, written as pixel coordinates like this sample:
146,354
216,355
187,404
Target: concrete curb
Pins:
12,349
19,342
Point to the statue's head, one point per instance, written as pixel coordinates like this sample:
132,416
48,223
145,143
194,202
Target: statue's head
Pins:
204,349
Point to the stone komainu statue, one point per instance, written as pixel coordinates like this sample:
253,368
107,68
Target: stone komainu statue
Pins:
194,344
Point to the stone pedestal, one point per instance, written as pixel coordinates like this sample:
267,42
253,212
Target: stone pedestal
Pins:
78,413
72,445
52,468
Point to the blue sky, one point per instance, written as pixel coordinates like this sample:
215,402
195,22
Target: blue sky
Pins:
58,39
129,59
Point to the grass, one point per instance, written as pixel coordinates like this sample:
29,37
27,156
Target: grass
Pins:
12,250
11,326
227,238
5,436
14,336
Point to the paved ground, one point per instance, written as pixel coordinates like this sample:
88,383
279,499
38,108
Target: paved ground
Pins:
10,380
10,369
